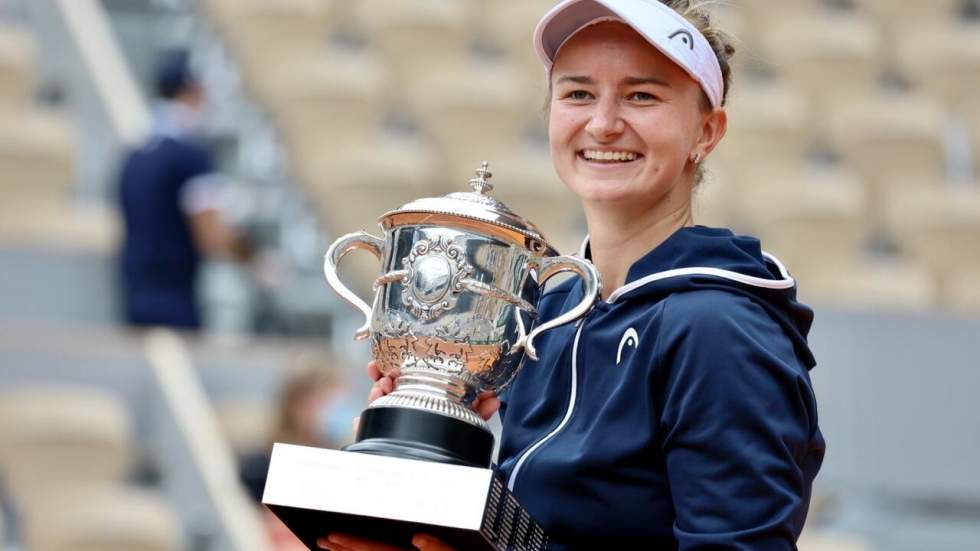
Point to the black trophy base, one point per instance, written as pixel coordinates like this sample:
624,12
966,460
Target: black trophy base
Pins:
316,492
424,435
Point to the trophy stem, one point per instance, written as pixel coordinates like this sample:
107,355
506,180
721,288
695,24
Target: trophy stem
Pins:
428,389
425,435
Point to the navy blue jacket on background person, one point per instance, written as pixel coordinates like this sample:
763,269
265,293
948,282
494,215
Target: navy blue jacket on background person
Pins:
159,258
678,414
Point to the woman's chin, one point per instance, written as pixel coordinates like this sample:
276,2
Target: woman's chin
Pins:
610,196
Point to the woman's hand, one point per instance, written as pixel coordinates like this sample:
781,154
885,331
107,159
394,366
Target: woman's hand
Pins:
486,404
344,542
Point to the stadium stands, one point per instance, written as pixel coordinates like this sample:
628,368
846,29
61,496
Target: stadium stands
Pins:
104,519
939,228
66,455
37,149
768,134
16,67
416,37
60,437
812,222
815,90
944,61
893,141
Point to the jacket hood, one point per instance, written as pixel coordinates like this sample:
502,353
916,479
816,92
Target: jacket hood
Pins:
699,257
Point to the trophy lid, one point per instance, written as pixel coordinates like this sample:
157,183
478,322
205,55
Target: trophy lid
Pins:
475,211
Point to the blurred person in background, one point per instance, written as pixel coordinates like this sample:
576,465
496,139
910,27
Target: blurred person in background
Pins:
315,407
170,196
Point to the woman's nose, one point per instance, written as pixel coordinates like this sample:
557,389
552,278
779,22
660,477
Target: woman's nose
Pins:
606,121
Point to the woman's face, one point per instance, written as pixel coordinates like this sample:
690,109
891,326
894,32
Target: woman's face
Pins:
625,121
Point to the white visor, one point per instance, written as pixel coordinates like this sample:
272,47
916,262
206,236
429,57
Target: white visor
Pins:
663,27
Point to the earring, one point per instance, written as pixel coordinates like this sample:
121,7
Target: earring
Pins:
697,158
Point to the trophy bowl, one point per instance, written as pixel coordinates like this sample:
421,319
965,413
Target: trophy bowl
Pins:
453,316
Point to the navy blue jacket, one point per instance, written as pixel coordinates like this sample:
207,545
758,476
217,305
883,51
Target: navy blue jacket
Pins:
159,259
678,414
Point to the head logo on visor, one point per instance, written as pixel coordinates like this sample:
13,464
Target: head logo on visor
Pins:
685,37
659,24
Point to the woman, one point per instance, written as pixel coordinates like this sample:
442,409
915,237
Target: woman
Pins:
679,413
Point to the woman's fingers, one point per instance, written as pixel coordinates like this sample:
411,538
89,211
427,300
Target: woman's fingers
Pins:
487,407
346,542
374,372
382,386
425,542
486,404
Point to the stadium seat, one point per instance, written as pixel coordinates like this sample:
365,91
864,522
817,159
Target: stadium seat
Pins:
393,162
963,292
768,134
895,19
766,12
832,57
814,223
264,32
63,226
103,518
61,436
417,36
944,62
16,74
326,102
471,114
745,31
886,284
940,228
36,159
892,141
351,189
510,27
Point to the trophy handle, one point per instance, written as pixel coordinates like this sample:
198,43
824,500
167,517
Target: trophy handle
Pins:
584,269
339,248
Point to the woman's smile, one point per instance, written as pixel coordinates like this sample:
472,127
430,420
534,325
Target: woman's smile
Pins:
609,156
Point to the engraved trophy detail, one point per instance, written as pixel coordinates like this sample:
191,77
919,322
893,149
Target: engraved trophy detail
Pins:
453,315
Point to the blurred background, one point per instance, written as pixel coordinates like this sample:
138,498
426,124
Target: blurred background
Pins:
853,151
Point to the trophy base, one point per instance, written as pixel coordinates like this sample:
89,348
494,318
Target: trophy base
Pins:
423,435
316,492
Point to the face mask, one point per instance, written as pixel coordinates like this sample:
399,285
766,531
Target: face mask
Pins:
335,418
180,120
192,121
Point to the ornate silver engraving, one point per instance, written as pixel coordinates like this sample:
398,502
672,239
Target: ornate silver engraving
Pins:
434,278
443,350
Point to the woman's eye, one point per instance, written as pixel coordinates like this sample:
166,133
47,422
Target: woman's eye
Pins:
642,96
578,95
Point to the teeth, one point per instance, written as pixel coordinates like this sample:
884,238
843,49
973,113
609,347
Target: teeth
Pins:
609,155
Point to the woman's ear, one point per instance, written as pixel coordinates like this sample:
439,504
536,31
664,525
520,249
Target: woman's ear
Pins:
713,128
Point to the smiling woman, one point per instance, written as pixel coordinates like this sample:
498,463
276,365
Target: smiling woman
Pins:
625,124
679,412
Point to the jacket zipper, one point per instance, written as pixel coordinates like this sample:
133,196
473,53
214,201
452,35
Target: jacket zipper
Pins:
568,414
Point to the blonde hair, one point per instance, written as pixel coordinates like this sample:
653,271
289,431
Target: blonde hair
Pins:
696,12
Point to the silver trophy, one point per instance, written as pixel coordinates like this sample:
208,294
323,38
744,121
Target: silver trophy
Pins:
453,315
